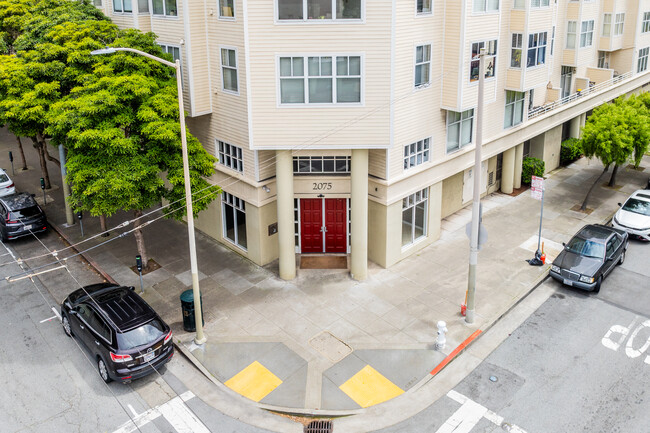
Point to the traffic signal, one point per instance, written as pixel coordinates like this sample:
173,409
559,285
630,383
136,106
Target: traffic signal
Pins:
138,262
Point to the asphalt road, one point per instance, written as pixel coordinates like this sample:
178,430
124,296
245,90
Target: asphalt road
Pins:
580,363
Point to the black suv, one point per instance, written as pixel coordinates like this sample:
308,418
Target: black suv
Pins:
20,216
125,336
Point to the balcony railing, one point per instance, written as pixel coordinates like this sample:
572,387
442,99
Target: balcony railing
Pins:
538,111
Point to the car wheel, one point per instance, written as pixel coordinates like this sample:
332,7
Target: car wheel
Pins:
622,259
598,283
103,370
66,326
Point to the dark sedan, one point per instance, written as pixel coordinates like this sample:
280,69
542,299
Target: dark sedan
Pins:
590,256
20,216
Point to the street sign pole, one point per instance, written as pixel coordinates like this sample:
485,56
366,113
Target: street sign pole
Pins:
537,192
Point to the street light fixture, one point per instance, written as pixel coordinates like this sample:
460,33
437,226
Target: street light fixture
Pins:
200,337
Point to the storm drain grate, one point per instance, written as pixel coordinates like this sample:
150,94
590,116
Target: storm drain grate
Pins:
319,426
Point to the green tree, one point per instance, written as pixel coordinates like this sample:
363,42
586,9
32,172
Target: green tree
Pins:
122,133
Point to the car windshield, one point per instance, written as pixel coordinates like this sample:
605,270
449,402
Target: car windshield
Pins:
140,336
586,248
25,213
637,206
3,178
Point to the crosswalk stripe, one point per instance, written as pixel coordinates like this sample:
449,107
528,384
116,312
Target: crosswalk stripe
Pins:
469,414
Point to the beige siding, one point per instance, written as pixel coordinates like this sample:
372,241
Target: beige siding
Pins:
266,163
377,163
196,38
513,79
517,21
452,49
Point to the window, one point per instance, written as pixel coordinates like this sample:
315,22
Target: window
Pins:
519,4
603,59
539,3
416,153
423,6
229,69
422,65
514,108
319,9
164,7
459,129
122,6
176,55
515,53
571,28
643,60
607,25
618,25
490,59
226,8
234,219
414,217
586,33
536,49
97,2
645,26
486,5
552,40
321,86
231,156
321,164
143,6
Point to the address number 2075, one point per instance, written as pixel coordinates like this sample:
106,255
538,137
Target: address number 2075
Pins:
322,186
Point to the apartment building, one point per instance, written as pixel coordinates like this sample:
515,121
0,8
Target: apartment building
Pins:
348,126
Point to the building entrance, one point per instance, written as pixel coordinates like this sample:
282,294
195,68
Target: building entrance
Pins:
323,225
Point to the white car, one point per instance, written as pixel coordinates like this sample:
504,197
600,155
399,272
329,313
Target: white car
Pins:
6,185
634,215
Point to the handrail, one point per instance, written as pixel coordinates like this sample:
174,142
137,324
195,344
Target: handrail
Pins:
538,111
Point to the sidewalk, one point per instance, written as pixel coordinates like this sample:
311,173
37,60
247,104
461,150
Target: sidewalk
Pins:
323,343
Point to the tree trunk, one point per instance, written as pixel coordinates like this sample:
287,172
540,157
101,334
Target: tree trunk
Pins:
43,142
102,225
22,153
41,156
612,180
139,240
584,203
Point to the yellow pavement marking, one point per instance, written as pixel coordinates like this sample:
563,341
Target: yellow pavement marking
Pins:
254,382
368,387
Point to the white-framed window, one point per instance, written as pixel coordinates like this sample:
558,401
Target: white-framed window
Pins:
321,165
226,8
308,10
552,40
486,5
536,49
416,153
175,52
422,65
603,59
586,33
519,4
414,217
234,219
539,3
229,69
423,7
164,7
642,64
329,80
123,6
490,59
571,29
460,128
618,24
514,108
97,2
231,156
645,25
607,25
515,50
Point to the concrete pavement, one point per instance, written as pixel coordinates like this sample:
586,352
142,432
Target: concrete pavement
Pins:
323,343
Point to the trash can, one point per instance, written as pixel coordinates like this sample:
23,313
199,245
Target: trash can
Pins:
187,306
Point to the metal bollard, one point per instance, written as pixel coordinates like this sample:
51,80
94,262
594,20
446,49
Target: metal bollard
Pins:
441,340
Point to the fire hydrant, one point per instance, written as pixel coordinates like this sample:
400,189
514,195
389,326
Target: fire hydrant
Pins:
441,340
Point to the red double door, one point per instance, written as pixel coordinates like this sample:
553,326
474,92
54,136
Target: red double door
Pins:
323,225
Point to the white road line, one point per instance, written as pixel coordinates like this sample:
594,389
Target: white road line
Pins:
57,313
48,319
469,414
135,414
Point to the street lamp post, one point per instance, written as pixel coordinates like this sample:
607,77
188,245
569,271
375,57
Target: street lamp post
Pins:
198,316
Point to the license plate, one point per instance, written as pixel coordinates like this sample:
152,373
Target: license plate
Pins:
149,356
568,282
27,227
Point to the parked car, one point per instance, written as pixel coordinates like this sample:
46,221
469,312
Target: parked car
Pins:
590,256
6,185
634,215
20,215
125,337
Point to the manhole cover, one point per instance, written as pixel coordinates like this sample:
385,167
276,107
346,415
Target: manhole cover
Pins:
329,346
319,426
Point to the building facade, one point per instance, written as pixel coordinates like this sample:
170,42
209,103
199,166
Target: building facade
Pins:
349,126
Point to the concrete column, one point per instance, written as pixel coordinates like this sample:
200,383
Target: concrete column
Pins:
519,161
574,129
286,234
508,171
583,120
359,211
